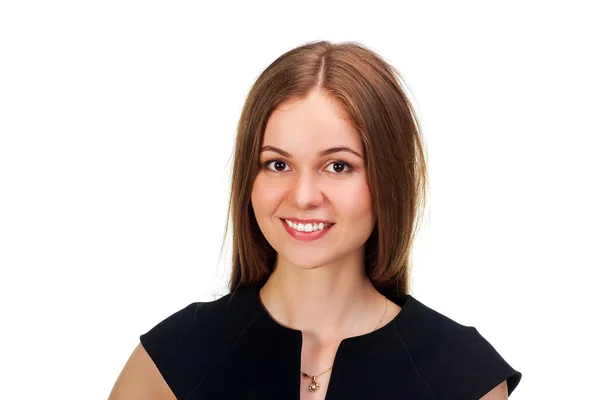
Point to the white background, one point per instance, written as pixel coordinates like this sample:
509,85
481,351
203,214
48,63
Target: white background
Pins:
117,121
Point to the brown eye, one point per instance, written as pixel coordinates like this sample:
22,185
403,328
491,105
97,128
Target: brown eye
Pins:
340,167
278,164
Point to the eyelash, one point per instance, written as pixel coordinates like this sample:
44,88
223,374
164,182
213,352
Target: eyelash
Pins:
349,167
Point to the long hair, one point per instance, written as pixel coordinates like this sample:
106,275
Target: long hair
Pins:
371,92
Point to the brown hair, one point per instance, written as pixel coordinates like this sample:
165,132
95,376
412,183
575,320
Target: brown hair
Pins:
371,94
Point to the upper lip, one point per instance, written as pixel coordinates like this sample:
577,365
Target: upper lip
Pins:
305,221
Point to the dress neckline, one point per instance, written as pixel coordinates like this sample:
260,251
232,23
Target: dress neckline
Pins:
402,301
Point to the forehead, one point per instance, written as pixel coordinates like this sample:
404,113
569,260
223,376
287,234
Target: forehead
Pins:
310,124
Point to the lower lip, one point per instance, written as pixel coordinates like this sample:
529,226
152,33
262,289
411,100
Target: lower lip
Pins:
305,236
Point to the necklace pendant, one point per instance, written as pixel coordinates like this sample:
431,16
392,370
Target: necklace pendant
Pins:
314,386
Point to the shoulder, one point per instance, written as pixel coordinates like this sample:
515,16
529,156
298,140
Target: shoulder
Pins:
455,360
186,344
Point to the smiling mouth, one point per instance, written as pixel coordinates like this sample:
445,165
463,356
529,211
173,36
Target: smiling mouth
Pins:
306,227
304,235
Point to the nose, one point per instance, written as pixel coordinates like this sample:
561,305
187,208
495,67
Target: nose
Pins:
306,191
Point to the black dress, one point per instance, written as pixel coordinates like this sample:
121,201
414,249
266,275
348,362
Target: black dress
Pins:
231,348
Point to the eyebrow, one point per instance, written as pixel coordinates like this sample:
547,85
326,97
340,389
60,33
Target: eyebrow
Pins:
321,153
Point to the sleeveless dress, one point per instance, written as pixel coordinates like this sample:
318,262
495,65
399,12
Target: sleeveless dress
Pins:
231,348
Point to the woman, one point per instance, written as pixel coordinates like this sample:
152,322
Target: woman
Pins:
328,182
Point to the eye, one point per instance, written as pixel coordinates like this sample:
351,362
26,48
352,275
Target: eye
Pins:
279,165
340,167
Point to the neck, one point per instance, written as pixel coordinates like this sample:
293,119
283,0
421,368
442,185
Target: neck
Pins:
327,303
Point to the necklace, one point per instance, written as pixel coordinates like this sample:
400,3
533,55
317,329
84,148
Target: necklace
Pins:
314,385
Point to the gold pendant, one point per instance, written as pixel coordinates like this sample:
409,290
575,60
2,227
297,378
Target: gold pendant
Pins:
314,386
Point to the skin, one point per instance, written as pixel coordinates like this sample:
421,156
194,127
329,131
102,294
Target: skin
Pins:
323,278
500,392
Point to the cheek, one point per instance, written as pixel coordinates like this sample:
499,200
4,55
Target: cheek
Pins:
265,197
355,202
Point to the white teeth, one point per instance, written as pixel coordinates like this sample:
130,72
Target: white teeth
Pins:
308,227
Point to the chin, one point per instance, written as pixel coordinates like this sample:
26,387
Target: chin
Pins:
302,260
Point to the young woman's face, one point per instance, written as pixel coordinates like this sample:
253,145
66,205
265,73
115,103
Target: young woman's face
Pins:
312,173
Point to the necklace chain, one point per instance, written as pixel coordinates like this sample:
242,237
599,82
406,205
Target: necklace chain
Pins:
314,385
